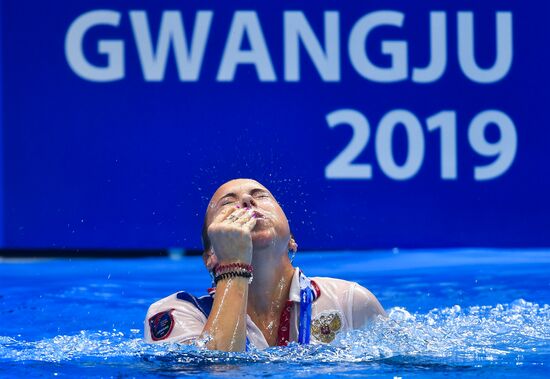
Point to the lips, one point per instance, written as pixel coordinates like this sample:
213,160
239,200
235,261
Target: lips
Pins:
257,214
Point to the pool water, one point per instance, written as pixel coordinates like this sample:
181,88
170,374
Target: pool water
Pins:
480,313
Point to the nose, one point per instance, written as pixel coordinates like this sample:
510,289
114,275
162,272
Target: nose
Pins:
248,201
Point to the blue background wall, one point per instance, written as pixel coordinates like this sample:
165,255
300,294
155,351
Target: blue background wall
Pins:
131,163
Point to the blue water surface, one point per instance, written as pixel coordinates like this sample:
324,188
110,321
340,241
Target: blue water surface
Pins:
464,313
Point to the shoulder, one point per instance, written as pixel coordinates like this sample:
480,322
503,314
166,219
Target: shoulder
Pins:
333,286
335,294
173,319
163,303
360,304
340,286
179,300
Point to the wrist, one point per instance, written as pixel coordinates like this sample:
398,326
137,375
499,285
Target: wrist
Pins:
226,261
237,266
231,275
225,271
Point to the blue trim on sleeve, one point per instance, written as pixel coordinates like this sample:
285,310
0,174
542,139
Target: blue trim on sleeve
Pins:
203,303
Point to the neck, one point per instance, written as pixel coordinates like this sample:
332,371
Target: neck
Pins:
269,290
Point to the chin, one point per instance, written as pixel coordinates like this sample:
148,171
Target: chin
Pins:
263,238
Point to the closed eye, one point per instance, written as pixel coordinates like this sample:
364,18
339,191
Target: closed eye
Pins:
230,198
261,196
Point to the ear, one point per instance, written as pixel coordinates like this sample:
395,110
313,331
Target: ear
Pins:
210,260
292,245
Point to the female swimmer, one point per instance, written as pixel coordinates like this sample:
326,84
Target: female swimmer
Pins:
259,298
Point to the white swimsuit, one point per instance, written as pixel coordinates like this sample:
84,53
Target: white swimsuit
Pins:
340,306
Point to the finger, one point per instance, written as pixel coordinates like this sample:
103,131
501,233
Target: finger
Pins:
250,224
245,217
235,216
224,214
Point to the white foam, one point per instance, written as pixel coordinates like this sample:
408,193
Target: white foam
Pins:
487,334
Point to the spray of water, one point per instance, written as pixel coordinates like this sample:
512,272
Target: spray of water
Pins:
505,333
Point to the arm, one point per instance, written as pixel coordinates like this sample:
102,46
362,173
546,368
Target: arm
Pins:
225,328
365,307
226,325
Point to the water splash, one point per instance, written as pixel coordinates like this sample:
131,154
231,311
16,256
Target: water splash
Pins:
480,333
503,334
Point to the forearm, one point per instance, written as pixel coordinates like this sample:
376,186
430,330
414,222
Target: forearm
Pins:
231,241
226,324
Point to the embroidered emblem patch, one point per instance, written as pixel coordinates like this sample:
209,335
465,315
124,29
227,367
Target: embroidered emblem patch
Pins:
161,325
326,326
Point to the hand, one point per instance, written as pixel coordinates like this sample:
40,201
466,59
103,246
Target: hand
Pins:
230,235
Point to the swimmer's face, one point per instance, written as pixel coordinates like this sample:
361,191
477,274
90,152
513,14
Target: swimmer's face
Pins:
271,225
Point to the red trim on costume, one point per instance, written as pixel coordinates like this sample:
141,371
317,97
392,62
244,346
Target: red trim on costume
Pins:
316,289
283,335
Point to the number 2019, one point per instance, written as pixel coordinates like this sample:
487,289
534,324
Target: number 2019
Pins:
503,150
